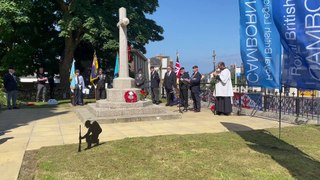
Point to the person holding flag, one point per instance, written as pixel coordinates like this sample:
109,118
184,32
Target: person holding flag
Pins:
78,95
98,79
76,85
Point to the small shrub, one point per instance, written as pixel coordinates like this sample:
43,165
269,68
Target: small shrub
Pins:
2,93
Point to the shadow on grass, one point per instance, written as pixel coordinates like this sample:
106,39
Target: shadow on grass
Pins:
94,146
300,165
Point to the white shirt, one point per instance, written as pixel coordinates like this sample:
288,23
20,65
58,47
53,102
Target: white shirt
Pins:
224,87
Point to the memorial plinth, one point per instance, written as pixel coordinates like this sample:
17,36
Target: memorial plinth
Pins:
115,108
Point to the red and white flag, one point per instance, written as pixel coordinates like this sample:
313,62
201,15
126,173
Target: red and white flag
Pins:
177,67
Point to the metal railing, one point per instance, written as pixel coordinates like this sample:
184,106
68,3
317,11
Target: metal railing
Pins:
259,99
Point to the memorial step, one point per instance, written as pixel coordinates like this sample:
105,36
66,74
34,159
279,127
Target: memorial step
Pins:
84,114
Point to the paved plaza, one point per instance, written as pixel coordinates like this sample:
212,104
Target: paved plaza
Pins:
30,129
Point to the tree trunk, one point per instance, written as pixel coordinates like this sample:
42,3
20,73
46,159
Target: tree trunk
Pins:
65,64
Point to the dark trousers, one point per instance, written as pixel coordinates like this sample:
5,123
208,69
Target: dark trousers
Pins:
51,91
155,95
184,98
196,100
170,96
100,93
44,89
78,97
11,95
93,138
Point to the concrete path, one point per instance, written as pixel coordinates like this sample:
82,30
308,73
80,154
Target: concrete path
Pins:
29,129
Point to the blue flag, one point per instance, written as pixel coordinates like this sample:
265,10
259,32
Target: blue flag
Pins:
260,44
298,22
73,75
116,69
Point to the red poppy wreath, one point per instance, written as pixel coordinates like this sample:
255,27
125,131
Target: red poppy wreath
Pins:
130,97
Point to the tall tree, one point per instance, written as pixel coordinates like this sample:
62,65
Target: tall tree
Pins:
28,35
95,22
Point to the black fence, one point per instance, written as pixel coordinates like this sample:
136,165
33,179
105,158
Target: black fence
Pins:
267,100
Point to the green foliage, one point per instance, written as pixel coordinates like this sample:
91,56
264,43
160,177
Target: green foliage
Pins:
2,93
34,33
28,37
213,82
95,22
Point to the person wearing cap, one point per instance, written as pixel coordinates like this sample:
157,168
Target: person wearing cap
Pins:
11,87
155,80
78,96
170,83
184,86
41,84
195,88
223,90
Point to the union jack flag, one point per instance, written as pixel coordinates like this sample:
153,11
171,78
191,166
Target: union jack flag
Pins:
177,67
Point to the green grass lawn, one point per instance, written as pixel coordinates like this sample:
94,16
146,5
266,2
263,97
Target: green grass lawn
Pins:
231,155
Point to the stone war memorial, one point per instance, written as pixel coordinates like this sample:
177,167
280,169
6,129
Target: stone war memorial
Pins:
115,108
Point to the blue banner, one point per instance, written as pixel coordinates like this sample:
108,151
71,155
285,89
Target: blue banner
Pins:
298,22
260,44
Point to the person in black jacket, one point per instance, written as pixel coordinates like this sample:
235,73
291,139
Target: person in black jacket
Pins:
170,83
92,136
11,87
155,80
100,85
184,86
195,89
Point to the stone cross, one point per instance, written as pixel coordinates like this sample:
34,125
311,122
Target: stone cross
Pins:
123,43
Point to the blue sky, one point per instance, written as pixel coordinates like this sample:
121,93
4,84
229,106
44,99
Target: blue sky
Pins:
195,28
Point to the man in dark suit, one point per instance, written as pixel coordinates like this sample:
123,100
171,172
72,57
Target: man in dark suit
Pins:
170,83
11,87
155,80
184,86
100,85
195,89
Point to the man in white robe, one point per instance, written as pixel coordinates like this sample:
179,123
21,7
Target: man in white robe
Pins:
223,90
